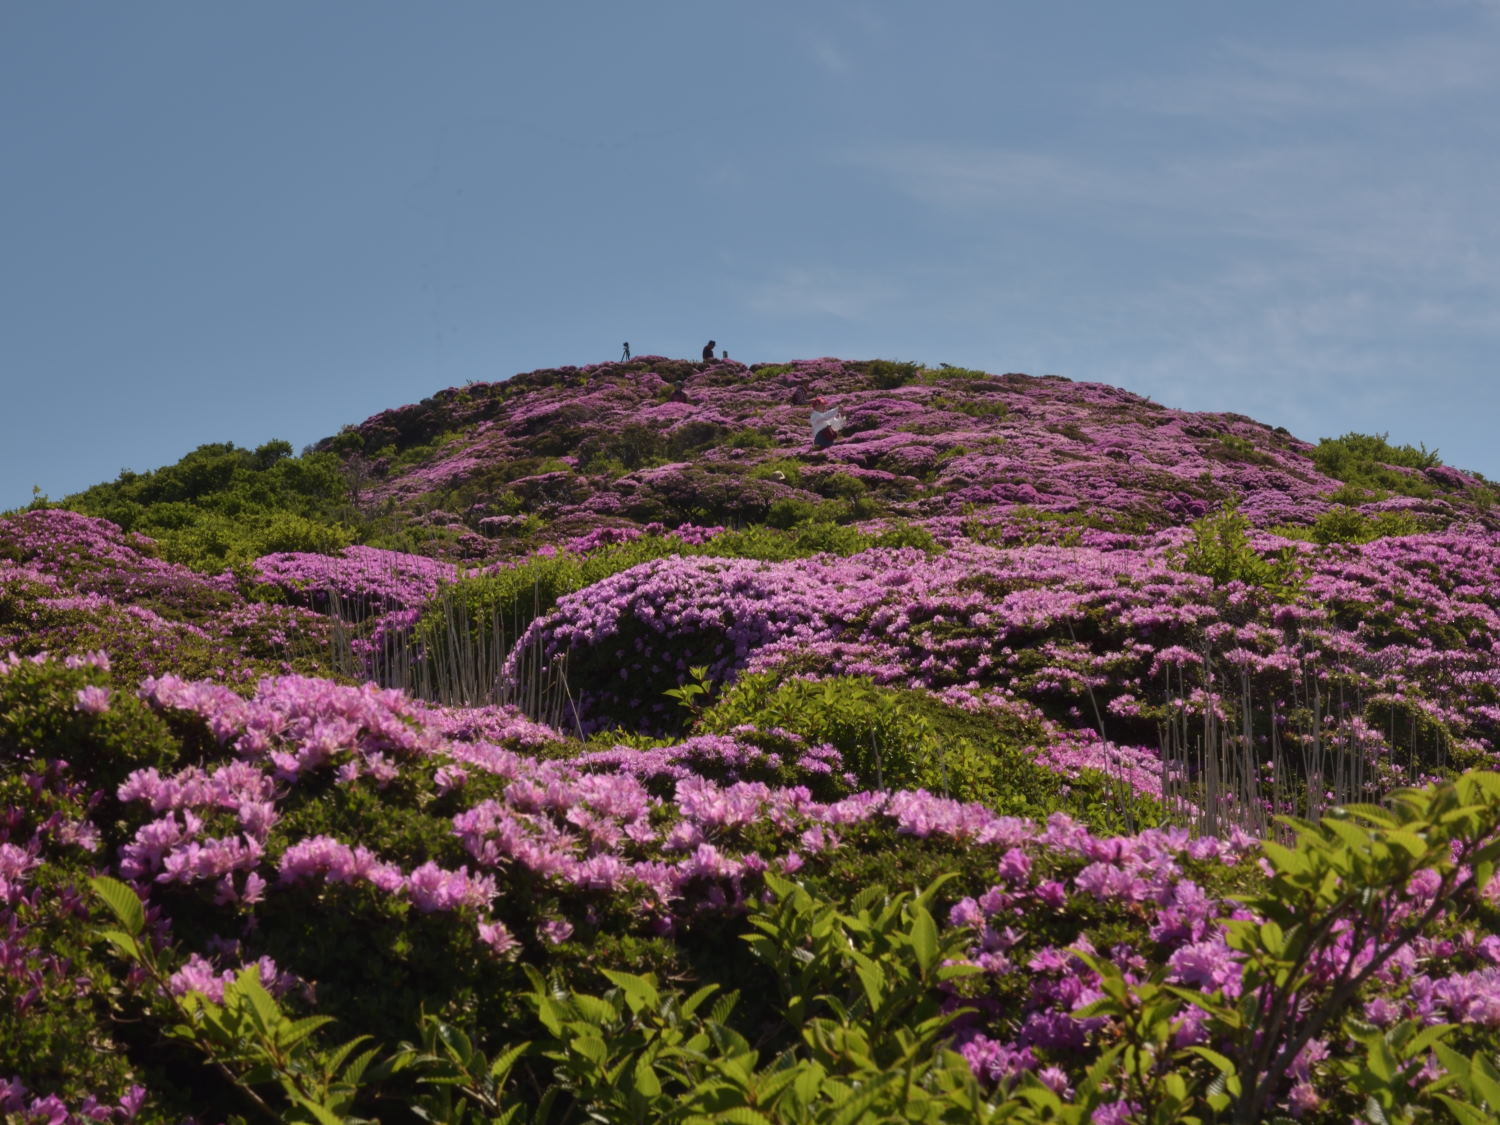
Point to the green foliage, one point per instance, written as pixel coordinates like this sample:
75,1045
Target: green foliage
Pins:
54,973
1233,447
1345,524
247,1038
750,438
697,692
41,719
858,1038
840,486
974,405
1368,461
887,374
1220,549
898,738
787,470
1349,874
947,373
791,510
222,505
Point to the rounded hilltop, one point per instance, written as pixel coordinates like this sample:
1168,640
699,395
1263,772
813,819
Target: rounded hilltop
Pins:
559,452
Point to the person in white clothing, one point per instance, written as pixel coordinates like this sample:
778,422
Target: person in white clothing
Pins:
826,424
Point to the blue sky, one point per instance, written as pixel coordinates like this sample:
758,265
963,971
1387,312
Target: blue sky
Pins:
246,221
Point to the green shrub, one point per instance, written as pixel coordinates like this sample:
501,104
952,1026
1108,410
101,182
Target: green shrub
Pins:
888,374
947,373
750,438
789,470
221,505
1344,524
1368,461
840,486
900,738
790,511
1220,549
42,717
974,405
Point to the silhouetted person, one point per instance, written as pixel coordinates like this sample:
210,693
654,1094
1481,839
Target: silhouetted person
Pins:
626,356
708,350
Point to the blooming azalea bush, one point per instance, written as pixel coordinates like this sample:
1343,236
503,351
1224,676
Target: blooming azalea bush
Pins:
656,766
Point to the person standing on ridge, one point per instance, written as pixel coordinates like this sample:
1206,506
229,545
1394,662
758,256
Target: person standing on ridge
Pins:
626,356
708,350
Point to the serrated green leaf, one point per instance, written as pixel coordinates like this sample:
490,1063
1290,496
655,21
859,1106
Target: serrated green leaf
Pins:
507,1059
295,1031
591,1047
122,902
743,1115
1285,860
263,1009
1427,1038
640,992
1482,1081
770,1084
1355,837
860,1100
1371,814
595,1009
808,1081
352,1073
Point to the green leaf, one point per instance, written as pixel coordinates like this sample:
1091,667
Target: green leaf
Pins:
594,1009
262,1007
123,942
924,938
507,1059
639,991
1427,1038
808,1081
319,1113
123,903
1222,1063
646,1082
1483,1082
872,980
1464,1113
294,1032
591,1047
854,1109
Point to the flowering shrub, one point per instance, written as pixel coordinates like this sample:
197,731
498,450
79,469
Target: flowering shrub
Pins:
954,798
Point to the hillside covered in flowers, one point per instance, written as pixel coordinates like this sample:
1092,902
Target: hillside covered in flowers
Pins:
592,745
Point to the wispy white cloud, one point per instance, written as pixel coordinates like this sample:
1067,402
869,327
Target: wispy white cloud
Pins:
821,291
827,55
1249,79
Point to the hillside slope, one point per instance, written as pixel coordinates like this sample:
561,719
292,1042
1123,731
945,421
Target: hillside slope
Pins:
526,712
671,441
